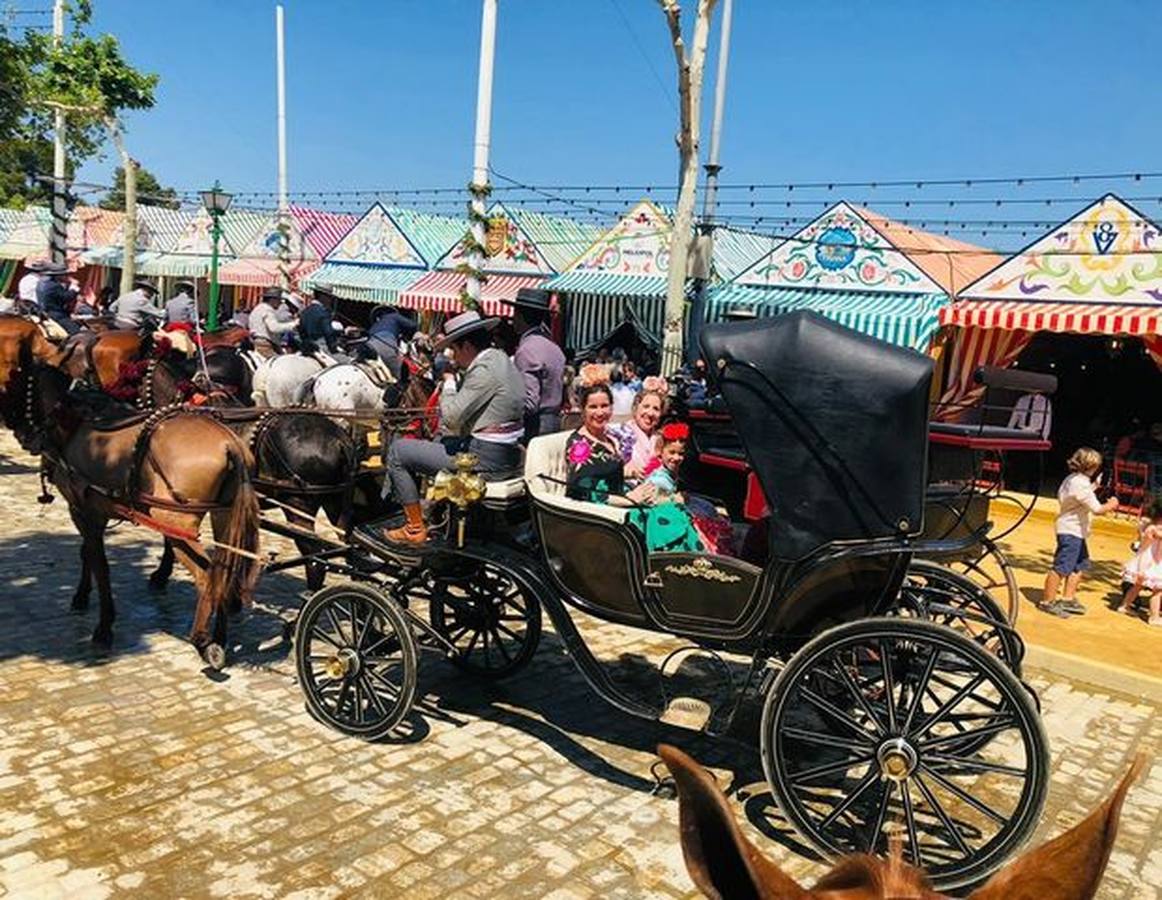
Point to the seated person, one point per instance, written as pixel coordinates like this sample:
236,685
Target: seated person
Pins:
596,473
483,415
714,530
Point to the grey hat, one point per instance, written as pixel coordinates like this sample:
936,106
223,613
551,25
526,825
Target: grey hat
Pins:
460,325
52,269
533,298
147,284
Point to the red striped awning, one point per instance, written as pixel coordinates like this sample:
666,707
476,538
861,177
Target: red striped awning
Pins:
262,271
1075,318
440,292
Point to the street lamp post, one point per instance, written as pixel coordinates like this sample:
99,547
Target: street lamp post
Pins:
216,201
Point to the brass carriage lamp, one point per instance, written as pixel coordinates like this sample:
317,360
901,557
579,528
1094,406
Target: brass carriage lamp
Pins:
216,201
462,488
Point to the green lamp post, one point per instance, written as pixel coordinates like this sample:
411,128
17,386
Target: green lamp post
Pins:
216,201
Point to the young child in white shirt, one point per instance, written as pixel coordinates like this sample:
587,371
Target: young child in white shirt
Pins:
1079,504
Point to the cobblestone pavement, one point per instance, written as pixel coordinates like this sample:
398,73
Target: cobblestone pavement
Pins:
136,774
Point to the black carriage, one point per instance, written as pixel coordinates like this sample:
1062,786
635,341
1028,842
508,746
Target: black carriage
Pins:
880,707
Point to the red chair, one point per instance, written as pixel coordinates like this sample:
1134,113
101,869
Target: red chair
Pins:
1131,485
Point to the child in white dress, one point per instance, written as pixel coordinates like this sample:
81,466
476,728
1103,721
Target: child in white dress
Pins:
1145,569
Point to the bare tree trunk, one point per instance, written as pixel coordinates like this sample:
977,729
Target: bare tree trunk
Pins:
690,70
129,246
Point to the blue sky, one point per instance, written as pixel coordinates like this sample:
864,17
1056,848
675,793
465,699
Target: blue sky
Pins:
381,94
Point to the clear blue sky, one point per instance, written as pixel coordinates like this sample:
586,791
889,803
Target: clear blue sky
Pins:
381,94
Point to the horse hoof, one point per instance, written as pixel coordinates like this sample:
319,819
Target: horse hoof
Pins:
215,656
79,607
103,639
288,631
158,585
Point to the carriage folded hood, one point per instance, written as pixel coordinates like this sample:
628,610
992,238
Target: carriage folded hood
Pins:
834,424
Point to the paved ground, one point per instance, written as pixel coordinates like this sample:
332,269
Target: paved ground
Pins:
135,774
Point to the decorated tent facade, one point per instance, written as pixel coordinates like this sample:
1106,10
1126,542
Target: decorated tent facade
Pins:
860,269
1098,273
385,252
258,262
27,234
525,249
158,229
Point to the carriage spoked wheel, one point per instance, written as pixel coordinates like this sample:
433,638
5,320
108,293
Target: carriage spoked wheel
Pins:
483,612
991,570
356,659
936,592
874,725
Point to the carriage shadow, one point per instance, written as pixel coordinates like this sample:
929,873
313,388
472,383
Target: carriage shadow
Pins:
38,576
551,702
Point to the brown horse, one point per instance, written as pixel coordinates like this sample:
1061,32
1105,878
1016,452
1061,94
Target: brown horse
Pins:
22,341
231,336
166,471
724,864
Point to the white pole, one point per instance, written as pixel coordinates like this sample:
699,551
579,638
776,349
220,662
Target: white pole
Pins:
712,166
283,202
59,213
481,145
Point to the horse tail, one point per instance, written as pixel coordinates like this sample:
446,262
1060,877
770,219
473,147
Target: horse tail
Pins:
234,575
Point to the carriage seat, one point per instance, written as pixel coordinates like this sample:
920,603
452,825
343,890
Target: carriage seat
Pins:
545,474
502,488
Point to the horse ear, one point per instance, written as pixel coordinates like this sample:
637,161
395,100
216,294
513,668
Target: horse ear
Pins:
1070,866
723,864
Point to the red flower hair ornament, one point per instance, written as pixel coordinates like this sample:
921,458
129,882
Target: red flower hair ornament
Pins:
676,431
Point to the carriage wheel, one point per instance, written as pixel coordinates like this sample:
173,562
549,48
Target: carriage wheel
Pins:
482,611
865,731
940,594
992,570
356,659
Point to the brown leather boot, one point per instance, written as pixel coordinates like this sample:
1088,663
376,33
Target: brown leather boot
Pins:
414,531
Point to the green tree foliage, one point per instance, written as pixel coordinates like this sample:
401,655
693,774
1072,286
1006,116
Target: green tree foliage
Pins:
87,77
149,191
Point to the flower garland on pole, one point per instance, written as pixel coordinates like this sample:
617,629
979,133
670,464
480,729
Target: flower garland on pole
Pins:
474,248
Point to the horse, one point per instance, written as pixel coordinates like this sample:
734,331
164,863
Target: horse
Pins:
277,380
724,864
226,377
22,342
166,470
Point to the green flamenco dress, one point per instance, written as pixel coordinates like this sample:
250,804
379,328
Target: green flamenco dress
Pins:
595,472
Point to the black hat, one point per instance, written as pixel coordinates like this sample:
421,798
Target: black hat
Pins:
272,293
51,268
460,325
184,283
37,266
533,298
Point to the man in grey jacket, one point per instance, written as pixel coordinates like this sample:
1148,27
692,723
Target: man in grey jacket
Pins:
138,308
181,308
482,414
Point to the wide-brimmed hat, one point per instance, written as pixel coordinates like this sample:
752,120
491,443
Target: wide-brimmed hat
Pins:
143,283
37,266
533,298
272,293
741,314
460,325
50,269
183,283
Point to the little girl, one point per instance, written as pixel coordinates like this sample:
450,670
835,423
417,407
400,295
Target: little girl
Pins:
714,531
1145,569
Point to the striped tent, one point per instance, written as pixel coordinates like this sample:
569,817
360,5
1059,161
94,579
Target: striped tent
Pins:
906,320
860,269
259,264
322,230
1099,272
28,234
189,257
158,229
441,291
368,284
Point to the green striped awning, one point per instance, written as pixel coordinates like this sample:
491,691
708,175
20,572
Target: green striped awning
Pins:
369,284
176,265
907,320
609,284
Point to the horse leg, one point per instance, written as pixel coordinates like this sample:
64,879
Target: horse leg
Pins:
85,585
316,572
99,564
161,575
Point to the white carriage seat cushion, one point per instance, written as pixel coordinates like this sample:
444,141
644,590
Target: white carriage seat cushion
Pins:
545,474
505,489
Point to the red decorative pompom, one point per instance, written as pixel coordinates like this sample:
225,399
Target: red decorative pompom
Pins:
676,431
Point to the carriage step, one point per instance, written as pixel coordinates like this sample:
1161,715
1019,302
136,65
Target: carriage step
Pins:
687,712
